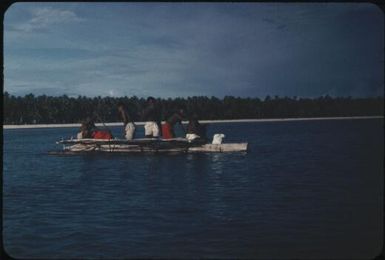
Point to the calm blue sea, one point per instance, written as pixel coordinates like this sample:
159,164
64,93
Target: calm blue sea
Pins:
306,189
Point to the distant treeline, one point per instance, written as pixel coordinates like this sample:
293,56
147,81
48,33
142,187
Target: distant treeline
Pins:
44,109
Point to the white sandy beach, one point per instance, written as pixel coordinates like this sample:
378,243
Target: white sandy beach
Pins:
202,121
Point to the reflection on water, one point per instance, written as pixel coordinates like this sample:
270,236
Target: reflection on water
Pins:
217,163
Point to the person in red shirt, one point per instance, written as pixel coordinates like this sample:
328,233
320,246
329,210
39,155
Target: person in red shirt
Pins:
101,134
168,126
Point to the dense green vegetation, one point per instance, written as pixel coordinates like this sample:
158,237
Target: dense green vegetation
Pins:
44,109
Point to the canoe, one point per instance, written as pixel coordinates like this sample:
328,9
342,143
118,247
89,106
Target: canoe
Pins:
147,145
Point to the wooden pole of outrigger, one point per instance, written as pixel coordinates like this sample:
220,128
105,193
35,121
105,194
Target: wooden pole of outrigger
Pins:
102,121
96,114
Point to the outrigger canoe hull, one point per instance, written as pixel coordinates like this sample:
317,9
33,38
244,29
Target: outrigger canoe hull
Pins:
147,145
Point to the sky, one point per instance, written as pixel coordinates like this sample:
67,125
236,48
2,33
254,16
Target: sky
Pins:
194,49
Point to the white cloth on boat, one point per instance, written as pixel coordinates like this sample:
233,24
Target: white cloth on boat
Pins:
191,137
130,130
151,128
217,139
79,135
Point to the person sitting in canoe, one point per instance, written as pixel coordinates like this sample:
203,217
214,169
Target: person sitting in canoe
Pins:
195,131
86,129
129,126
151,115
168,126
89,130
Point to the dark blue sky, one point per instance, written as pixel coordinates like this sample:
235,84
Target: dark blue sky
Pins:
194,49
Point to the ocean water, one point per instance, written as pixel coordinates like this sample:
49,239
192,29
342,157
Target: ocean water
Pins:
306,189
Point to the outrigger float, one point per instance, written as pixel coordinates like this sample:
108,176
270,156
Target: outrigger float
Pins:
146,145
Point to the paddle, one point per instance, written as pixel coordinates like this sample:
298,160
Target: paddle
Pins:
102,121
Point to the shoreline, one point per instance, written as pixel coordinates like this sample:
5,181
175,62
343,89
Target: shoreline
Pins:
201,121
